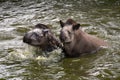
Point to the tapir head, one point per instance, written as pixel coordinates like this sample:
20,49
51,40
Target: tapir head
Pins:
67,31
36,37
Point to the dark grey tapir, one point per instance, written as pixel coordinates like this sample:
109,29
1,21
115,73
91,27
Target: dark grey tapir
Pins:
42,37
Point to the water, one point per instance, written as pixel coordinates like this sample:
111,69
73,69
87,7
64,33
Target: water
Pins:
97,17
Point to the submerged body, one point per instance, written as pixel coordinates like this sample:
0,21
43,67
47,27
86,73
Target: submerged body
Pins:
77,42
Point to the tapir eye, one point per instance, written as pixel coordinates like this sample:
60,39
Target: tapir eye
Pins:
38,35
69,32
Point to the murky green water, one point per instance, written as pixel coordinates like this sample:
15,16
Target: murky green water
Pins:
97,17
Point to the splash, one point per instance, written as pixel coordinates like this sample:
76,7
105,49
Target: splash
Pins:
33,53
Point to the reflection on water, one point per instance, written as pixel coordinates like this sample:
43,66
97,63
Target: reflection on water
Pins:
97,17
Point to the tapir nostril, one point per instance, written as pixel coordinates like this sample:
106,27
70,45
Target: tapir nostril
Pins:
26,39
62,36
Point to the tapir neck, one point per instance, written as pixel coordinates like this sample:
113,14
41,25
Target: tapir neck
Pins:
78,35
48,48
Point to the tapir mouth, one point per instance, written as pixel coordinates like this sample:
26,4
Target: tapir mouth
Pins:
35,45
67,42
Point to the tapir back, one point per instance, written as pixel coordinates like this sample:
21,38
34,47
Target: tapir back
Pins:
86,43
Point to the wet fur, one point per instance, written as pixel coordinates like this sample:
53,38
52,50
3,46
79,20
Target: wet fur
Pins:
82,41
51,42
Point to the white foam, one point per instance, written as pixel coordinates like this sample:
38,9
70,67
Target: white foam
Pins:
35,54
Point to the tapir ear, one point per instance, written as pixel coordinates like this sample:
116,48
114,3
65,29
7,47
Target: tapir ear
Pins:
61,23
45,31
76,27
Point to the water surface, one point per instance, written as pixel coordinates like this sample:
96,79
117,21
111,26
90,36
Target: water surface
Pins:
97,17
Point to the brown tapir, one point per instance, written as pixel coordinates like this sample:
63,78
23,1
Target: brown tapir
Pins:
42,37
77,42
